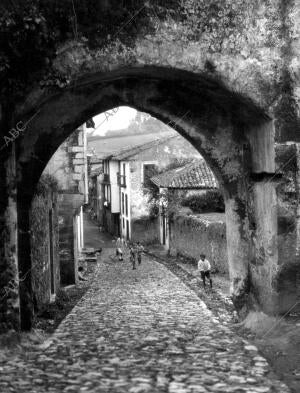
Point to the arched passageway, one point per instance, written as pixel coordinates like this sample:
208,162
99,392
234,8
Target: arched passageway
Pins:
232,134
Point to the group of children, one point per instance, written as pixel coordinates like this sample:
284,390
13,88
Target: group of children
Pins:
135,251
135,254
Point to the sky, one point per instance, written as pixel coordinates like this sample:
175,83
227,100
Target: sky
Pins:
115,119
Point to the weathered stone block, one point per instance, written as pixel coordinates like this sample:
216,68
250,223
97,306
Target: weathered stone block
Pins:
78,169
78,161
80,139
75,149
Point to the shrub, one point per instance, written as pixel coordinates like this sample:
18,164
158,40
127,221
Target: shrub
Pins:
62,297
46,184
211,201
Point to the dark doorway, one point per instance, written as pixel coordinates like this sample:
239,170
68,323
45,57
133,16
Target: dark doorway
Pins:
51,253
117,224
164,221
127,230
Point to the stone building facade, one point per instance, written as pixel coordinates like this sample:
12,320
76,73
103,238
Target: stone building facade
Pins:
69,166
125,198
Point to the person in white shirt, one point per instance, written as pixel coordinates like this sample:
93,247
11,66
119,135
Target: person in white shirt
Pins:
204,268
120,244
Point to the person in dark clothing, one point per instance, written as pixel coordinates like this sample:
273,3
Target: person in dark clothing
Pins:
132,257
80,274
139,251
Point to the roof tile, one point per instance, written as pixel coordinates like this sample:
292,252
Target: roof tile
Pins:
196,175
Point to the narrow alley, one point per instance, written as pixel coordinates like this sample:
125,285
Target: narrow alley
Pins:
166,130
139,331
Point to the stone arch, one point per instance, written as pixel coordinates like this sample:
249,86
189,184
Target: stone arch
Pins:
232,133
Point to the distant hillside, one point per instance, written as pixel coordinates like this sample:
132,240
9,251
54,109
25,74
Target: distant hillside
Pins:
108,144
141,125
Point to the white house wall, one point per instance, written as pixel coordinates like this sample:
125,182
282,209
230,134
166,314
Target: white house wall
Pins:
126,191
115,189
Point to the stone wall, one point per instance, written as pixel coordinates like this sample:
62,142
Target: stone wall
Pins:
252,46
68,165
41,231
288,275
145,230
68,206
190,236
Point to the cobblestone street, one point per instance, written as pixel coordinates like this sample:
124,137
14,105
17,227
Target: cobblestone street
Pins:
139,331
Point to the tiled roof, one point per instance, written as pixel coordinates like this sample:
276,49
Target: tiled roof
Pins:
129,152
96,160
196,175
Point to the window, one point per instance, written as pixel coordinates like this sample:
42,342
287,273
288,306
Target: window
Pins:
109,194
123,202
126,204
106,166
127,230
124,169
149,170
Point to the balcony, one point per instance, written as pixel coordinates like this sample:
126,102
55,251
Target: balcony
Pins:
106,178
121,180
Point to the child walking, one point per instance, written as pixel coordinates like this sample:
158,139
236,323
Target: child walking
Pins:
139,251
204,268
132,257
120,244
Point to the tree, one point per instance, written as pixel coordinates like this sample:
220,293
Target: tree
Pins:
171,200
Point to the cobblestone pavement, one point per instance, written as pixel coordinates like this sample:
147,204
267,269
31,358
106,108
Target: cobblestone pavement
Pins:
140,331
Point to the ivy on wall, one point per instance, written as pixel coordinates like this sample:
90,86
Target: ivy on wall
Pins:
45,199
31,31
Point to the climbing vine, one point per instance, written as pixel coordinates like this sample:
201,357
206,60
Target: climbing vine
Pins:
45,199
32,30
221,23
46,184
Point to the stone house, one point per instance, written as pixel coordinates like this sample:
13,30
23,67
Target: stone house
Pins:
69,166
124,198
190,234
56,220
94,190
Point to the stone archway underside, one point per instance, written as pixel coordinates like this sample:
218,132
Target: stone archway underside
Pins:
233,135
